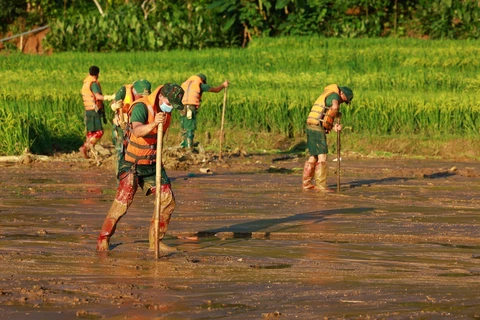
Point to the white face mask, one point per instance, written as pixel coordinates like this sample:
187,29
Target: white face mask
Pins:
166,108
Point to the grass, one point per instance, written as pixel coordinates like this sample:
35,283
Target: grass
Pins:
412,97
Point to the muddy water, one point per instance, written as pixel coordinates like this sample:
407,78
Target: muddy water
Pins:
400,241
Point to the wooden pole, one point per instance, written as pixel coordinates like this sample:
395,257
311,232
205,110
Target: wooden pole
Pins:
338,159
158,186
223,120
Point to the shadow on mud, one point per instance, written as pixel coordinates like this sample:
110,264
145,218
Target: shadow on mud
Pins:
440,174
247,229
435,175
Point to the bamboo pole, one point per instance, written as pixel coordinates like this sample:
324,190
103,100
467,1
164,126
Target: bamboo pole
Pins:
158,186
223,120
338,158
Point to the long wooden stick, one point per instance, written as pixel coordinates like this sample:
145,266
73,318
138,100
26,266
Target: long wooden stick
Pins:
338,159
223,120
158,186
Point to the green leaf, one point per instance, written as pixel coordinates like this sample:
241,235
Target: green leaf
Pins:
229,23
281,4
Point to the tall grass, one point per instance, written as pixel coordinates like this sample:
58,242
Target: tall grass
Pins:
402,87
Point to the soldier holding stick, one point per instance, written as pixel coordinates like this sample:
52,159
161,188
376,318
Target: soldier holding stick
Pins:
319,123
138,167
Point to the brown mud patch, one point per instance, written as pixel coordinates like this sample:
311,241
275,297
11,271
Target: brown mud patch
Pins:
401,240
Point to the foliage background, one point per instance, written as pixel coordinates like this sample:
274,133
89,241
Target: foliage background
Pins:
145,25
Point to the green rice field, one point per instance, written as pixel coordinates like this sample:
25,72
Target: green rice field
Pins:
412,97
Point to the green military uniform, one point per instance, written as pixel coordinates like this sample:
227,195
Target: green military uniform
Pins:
319,123
93,119
118,133
123,99
188,120
145,173
138,168
316,135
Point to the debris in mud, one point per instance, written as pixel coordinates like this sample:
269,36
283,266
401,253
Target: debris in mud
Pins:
181,159
274,169
25,158
102,150
192,260
271,314
157,307
442,174
206,170
289,157
272,266
238,152
88,314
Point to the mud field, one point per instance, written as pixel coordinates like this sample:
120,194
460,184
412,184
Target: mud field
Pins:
400,241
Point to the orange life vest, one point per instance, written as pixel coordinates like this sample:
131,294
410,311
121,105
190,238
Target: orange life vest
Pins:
90,102
129,97
121,115
319,109
193,95
143,150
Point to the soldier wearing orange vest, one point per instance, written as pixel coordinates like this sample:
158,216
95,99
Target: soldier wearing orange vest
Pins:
94,112
319,123
124,98
194,88
138,168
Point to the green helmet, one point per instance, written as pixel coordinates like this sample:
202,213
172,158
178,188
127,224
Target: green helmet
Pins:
203,77
174,93
142,87
348,93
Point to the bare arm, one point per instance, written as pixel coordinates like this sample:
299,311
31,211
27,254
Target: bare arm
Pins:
100,96
219,88
336,107
141,130
95,88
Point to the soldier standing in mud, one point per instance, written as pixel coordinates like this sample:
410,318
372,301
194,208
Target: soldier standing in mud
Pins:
194,88
319,123
94,112
124,98
138,168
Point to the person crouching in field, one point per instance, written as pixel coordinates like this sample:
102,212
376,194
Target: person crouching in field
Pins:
124,98
138,167
194,88
319,123
94,112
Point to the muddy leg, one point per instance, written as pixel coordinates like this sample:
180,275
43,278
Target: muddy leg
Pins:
168,205
89,145
127,188
92,139
308,173
321,177
92,142
84,149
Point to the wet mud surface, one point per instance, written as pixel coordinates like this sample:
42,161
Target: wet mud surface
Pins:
401,240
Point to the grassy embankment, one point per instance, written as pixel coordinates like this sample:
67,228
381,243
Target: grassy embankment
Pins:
412,97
